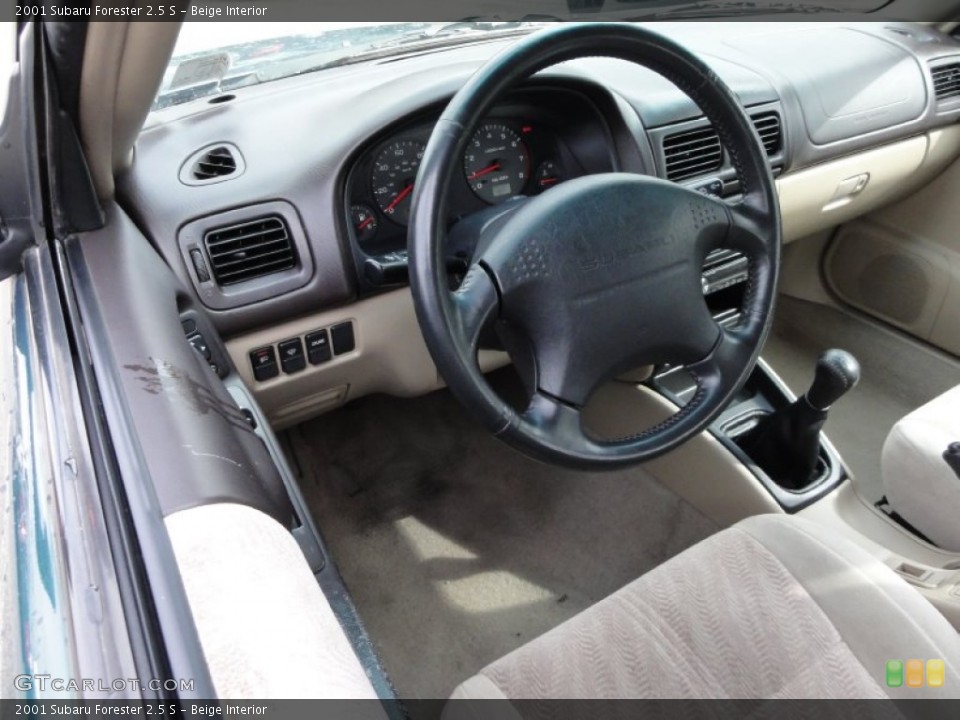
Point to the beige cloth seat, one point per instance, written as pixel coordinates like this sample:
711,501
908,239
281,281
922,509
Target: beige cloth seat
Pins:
773,607
920,485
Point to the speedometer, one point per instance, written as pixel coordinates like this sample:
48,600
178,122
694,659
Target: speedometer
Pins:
394,172
496,163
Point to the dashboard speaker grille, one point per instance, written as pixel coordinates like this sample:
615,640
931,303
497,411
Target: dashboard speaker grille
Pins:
946,81
218,162
250,249
696,152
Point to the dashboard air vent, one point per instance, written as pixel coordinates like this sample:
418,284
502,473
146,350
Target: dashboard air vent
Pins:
692,152
946,81
768,127
250,249
215,163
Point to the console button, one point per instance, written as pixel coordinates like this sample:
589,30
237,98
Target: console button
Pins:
291,356
342,336
264,362
318,347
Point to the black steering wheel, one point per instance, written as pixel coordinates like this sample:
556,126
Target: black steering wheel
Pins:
602,274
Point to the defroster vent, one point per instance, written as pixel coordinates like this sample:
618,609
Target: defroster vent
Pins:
251,249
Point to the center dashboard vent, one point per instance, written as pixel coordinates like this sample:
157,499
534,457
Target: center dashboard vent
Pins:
691,153
946,81
250,249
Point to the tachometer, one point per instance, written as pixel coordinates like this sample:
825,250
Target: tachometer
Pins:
496,163
394,172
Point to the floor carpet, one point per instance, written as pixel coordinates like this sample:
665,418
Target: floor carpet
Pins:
457,549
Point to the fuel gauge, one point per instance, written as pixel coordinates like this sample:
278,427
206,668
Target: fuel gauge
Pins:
364,221
548,174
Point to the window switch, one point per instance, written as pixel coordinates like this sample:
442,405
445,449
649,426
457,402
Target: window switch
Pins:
291,356
342,336
200,345
264,362
318,347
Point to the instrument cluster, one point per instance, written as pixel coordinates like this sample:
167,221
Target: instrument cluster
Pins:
507,156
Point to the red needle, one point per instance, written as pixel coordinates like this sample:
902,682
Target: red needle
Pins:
399,198
488,169
366,222
548,181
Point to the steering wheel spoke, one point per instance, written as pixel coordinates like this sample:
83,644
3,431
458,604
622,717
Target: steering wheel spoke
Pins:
553,419
476,303
725,360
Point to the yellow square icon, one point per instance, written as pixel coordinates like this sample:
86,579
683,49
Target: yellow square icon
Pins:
935,673
914,673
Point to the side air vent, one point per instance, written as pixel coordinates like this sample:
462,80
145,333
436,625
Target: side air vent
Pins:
250,249
946,81
691,153
219,162
768,127
212,164
696,152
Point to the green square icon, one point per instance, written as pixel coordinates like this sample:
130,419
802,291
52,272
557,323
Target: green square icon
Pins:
894,673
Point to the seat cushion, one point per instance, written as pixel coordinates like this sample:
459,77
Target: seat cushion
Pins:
774,607
919,483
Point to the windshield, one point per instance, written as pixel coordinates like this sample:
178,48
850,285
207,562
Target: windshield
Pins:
215,57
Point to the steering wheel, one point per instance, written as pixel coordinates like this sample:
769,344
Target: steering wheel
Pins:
602,274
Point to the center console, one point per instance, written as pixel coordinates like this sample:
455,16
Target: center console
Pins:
744,428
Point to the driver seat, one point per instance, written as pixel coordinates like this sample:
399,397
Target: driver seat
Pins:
773,607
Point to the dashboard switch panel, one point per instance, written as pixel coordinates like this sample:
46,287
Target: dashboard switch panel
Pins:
318,347
343,340
264,362
291,356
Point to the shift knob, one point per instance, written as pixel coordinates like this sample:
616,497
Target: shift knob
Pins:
837,372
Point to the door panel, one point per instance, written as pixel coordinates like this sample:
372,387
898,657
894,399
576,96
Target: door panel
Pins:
198,445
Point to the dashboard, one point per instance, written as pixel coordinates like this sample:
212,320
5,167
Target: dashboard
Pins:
300,228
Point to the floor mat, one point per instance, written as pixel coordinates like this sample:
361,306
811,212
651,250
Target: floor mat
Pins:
897,377
457,549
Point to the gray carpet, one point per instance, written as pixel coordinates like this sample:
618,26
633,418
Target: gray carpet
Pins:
898,377
456,549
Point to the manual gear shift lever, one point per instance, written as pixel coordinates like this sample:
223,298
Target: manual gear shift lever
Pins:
836,373
786,443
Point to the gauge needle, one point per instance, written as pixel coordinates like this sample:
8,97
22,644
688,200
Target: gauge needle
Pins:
493,167
399,198
548,181
366,222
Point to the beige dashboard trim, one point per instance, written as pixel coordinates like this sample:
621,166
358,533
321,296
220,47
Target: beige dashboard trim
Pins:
390,357
814,199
